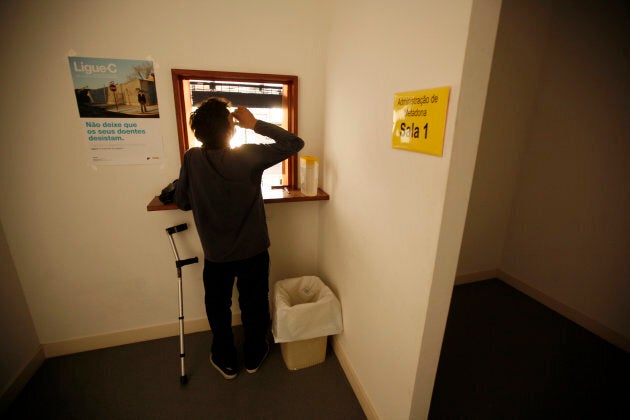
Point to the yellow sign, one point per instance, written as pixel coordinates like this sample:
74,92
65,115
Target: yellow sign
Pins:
420,119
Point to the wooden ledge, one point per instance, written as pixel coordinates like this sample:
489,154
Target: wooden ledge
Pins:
275,195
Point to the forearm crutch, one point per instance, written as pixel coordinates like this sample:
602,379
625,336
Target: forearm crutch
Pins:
183,379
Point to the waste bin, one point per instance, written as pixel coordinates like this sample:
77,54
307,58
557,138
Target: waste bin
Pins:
306,312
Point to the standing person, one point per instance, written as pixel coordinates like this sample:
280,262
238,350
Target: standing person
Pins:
222,187
142,100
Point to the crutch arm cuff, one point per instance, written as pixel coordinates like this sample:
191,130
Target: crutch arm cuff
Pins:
178,228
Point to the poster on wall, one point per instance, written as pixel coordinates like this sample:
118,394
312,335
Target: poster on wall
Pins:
420,119
118,109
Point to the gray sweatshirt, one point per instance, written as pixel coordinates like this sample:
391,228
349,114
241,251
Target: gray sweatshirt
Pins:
222,188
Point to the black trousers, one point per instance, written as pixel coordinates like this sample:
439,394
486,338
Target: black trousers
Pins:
252,282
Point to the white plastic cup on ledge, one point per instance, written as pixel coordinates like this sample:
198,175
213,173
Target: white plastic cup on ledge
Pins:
309,175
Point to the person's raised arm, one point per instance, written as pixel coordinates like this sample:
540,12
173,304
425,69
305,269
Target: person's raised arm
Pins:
244,117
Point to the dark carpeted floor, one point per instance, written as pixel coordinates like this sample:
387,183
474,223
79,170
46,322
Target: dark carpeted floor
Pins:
142,381
506,356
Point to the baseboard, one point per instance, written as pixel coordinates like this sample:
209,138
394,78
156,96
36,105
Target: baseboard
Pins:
573,314
120,338
15,387
355,383
475,277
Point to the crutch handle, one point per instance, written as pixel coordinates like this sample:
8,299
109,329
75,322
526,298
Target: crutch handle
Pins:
181,263
178,228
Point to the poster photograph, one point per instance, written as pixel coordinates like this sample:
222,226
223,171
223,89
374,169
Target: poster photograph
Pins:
420,120
118,109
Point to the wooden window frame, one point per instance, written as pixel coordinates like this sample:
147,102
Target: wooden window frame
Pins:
182,77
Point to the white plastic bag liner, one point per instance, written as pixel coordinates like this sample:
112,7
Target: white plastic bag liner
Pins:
305,308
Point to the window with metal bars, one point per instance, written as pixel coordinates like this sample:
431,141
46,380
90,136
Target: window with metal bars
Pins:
271,98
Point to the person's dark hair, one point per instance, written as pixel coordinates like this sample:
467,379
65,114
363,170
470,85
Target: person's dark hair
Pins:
210,122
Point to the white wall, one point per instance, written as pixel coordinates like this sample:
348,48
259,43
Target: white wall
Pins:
90,258
379,232
512,94
20,343
478,61
569,236
549,201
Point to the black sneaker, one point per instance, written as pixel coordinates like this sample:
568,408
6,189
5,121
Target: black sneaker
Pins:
227,371
253,366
